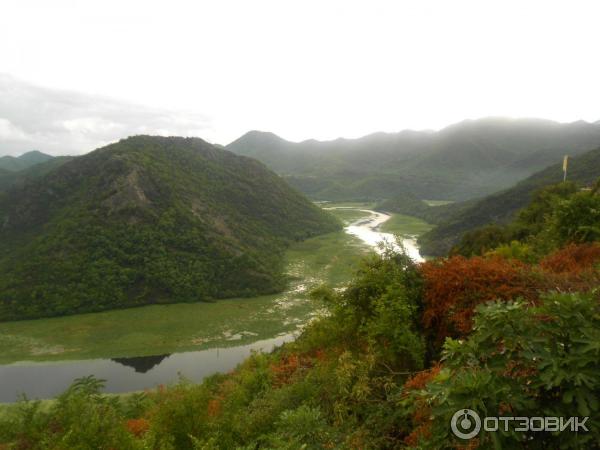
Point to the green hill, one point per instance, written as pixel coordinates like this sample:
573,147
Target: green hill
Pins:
13,164
147,220
500,208
470,159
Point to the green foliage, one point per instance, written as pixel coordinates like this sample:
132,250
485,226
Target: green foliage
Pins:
515,250
557,215
148,220
578,219
382,305
523,362
81,418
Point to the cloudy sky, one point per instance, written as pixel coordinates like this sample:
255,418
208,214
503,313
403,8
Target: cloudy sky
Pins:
75,74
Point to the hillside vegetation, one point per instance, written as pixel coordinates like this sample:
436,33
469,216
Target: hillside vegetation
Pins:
500,208
148,220
401,350
463,161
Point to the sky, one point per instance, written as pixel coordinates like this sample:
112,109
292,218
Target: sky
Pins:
76,75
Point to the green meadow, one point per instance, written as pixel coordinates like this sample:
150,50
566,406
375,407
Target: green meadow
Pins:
405,225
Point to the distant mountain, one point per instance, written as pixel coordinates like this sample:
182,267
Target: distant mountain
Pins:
501,207
470,159
147,220
14,164
10,179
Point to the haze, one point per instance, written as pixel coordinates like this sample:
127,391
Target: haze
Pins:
82,74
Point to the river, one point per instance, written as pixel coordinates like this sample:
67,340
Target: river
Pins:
367,230
49,379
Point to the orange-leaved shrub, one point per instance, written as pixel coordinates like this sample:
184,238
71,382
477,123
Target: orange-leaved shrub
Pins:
574,258
574,268
421,410
138,427
455,286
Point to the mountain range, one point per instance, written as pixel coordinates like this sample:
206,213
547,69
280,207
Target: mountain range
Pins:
466,160
147,220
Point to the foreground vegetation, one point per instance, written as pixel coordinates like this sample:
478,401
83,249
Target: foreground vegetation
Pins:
402,349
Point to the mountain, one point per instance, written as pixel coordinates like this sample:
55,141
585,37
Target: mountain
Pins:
470,159
501,207
13,164
10,179
148,220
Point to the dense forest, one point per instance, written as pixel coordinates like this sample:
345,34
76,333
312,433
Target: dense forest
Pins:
466,160
513,331
147,220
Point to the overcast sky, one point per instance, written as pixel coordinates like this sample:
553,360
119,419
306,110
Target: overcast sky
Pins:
78,74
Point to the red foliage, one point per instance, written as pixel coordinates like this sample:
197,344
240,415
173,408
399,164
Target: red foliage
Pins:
420,380
138,427
214,407
288,365
421,416
574,268
455,286
574,258
285,368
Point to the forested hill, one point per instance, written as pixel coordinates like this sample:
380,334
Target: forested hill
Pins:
147,220
470,159
500,207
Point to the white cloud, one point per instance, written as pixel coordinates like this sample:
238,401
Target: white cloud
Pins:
66,122
10,132
309,69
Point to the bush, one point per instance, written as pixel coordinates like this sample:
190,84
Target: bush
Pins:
455,286
520,361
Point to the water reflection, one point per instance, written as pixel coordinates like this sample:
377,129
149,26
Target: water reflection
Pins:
141,364
47,380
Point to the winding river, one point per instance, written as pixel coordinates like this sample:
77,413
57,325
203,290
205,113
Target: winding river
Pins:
49,379
367,230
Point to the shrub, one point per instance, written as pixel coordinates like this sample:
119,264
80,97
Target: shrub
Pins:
521,361
455,286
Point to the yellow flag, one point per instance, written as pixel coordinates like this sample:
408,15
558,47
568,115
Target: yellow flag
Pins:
565,163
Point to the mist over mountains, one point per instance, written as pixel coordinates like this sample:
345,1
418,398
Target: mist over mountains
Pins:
469,159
